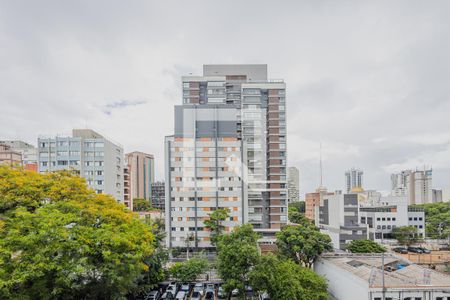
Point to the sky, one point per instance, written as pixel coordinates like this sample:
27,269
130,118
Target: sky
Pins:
370,80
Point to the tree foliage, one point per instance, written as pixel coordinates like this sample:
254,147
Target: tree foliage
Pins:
405,235
284,279
237,254
437,219
188,270
365,246
140,204
302,244
298,206
215,223
58,239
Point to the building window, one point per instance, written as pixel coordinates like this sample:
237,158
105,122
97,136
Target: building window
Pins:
62,163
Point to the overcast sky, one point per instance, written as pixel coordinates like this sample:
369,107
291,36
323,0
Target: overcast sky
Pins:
368,79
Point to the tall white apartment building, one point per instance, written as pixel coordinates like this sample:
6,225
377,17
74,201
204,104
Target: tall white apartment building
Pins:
88,153
353,179
293,185
228,151
417,185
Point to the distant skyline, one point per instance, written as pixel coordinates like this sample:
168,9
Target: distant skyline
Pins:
369,80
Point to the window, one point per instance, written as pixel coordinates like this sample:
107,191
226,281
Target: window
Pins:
99,144
44,163
393,219
62,153
74,153
74,144
98,163
63,143
415,218
62,163
99,182
99,173
74,162
99,191
378,219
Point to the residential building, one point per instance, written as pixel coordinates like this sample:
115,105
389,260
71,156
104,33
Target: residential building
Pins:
127,199
293,185
417,185
9,156
446,195
312,200
91,155
28,152
391,212
140,169
158,195
353,179
380,276
436,195
337,216
228,150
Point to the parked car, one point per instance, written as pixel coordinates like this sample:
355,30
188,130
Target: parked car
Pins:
173,288
196,295
168,296
153,295
400,250
186,287
424,250
181,295
415,250
210,286
221,293
209,295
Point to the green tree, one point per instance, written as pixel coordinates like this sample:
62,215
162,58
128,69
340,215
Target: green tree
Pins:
215,223
284,279
298,206
405,235
437,219
189,270
302,244
140,204
238,253
299,218
365,246
58,239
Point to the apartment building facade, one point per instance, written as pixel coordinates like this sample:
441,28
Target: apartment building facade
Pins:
91,155
293,184
353,179
140,175
417,185
228,150
158,195
10,157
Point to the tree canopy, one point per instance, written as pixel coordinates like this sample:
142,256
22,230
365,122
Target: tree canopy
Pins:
188,270
60,239
298,206
365,246
238,253
302,244
215,223
140,204
405,235
437,219
284,279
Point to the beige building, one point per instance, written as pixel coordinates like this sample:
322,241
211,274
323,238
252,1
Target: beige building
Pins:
9,156
138,177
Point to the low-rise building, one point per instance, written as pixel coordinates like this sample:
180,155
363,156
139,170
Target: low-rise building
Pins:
28,152
390,213
369,276
337,216
9,156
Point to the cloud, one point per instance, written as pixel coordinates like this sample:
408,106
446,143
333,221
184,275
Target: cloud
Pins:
108,108
367,79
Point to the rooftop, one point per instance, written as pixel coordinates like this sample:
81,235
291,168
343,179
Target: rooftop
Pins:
399,272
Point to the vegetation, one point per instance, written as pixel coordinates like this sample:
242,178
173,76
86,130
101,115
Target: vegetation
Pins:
437,219
237,254
296,212
284,279
58,239
140,204
188,270
365,246
405,235
215,223
303,244
298,206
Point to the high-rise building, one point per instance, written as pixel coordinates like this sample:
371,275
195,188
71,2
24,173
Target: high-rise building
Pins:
228,151
353,179
293,184
9,156
28,152
158,195
88,153
139,172
417,185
